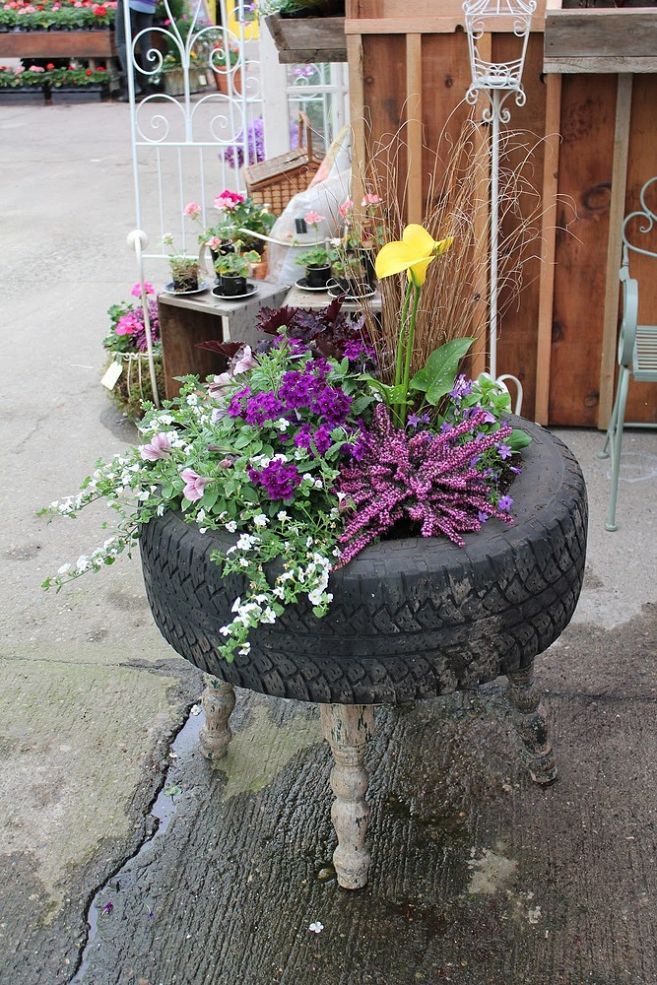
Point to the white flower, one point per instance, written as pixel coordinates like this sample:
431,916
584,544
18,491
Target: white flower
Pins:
200,516
316,927
282,424
245,542
160,509
235,607
282,516
243,562
319,484
316,597
225,630
244,649
268,616
82,563
279,592
192,400
309,542
260,520
308,478
64,568
231,526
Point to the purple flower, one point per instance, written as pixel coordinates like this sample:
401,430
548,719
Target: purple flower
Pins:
515,469
504,451
488,418
107,908
482,517
505,504
158,447
332,404
356,349
278,479
236,406
462,387
414,420
321,438
262,407
194,485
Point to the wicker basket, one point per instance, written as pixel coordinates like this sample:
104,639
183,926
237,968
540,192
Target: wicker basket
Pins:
276,181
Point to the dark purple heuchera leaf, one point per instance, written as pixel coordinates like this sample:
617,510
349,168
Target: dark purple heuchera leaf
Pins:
425,477
325,331
228,349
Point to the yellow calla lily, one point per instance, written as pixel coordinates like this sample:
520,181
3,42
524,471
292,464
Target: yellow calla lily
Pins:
416,250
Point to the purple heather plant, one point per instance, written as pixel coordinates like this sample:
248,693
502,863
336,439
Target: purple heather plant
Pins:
425,477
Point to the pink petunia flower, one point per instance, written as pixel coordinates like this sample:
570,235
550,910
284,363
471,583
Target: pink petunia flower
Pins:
136,289
346,207
192,209
245,361
158,447
194,485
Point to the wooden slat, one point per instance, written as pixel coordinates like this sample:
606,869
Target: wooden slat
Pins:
614,244
587,128
357,107
418,17
548,247
601,41
306,39
414,126
642,164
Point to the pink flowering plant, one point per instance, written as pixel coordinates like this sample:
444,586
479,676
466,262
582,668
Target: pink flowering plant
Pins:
127,332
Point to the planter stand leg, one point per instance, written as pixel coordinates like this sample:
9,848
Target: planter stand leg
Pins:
218,701
525,697
346,729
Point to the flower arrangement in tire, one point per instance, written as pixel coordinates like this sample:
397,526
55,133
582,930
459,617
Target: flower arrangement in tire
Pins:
232,270
127,377
302,520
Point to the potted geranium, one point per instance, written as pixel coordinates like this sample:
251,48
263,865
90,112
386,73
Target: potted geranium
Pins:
239,215
232,270
127,376
184,270
317,266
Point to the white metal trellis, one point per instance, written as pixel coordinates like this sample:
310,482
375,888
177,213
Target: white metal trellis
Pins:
187,147
497,81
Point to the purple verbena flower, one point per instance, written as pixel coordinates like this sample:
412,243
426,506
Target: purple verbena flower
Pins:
356,349
262,407
277,479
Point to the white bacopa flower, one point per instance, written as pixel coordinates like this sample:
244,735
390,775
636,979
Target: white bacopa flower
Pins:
231,526
225,630
192,400
308,478
243,562
64,569
316,596
319,484
309,542
245,649
316,927
282,516
245,542
268,616
200,516
282,424
82,563
260,520
235,607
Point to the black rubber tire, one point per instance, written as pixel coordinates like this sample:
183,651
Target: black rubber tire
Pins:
410,618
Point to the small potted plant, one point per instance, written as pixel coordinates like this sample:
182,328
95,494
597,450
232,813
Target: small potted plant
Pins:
128,382
318,267
349,273
184,269
233,269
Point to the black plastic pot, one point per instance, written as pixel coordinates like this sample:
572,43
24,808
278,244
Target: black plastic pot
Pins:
231,285
411,618
318,276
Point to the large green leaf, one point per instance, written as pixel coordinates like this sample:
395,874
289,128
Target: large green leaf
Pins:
518,439
436,378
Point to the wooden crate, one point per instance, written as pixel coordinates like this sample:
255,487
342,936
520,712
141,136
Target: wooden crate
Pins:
57,44
308,39
409,68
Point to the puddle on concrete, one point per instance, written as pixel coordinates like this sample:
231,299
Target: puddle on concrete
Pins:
159,818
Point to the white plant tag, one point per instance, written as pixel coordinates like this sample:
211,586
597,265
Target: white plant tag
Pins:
202,81
112,374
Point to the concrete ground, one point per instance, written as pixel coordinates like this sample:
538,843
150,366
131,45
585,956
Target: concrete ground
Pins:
478,876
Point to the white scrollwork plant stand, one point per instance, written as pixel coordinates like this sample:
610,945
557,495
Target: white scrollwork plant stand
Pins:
183,145
497,81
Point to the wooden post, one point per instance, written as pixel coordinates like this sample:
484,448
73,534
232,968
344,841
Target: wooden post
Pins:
482,228
357,112
414,125
548,247
614,247
346,729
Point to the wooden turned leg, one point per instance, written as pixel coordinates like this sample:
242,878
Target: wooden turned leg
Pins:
346,729
218,701
525,697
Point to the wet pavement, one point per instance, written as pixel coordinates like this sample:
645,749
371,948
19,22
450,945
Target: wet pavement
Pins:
126,860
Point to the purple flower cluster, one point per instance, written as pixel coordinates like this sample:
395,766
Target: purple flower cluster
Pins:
320,439
462,388
300,390
356,350
425,477
277,479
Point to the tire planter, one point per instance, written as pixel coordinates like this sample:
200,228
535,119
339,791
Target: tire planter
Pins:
410,618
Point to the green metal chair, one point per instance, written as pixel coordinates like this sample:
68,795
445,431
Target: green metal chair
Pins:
637,348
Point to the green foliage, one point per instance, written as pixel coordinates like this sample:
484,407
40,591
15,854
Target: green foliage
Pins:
437,376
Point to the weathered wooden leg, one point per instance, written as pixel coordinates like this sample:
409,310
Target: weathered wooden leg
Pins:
525,697
346,729
218,701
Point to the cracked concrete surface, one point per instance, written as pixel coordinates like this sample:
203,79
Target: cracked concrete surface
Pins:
479,878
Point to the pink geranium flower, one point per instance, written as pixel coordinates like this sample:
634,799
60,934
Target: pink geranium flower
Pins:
136,289
214,242
192,209
194,485
370,199
314,218
346,207
158,447
228,200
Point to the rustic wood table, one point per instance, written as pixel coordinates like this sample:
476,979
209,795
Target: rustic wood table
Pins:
296,298
186,320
